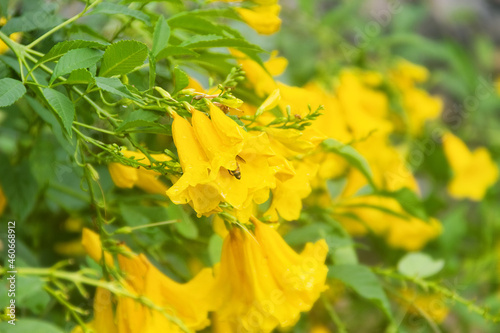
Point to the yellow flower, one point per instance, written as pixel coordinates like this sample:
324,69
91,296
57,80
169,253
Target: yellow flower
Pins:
263,18
473,172
262,283
3,201
432,305
385,217
186,301
15,37
127,177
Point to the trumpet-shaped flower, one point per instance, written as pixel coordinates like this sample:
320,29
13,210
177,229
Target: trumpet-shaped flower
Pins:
473,172
127,176
183,301
262,283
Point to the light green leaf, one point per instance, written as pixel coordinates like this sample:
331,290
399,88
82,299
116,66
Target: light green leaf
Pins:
197,24
186,227
114,86
362,280
181,80
420,265
161,35
28,325
61,105
80,76
409,201
351,155
75,59
113,9
171,51
42,19
123,57
215,248
63,47
205,41
10,91
139,118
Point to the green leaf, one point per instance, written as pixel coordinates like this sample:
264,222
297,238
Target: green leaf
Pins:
114,86
113,9
28,325
139,118
80,76
420,265
409,201
186,227
352,156
197,24
171,51
181,80
215,248
30,293
123,57
19,186
204,41
63,47
32,20
61,105
161,35
10,91
364,282
75,59
152,70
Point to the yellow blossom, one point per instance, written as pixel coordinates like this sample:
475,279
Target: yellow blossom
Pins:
262,283
432,305
262,18
15,37
186,301
473,171
127,177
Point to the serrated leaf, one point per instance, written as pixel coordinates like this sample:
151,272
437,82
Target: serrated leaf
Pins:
10,91
161,35
63,47
75,59
420,265
197,24
123,57
114,86
352,156
139,118
362,280
80,76
61,105
205,41
171,51
32,20
113,9
181,80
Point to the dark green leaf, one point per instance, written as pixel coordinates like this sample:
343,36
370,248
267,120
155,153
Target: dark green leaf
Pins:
352,156
61,105
197,24
139,118
80,76
161,35
10,91
123,57
113,9
63,47
114,86
181,79
362,280
75,59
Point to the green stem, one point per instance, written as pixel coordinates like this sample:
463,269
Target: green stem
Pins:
62,25
333,315
95,128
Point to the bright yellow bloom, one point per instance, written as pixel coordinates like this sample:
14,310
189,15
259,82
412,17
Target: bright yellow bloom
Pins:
16,36
184,301
473,172
262,283
3,201
127,177
432,305
385,217
263,18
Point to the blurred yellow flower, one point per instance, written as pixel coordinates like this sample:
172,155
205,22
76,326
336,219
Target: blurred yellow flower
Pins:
186,301
127,177
432,305
262,18
473,172
262,283
15,37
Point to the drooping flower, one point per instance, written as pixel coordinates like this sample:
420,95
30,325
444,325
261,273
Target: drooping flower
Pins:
125,176
473,171
183,301
262,18
262,283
